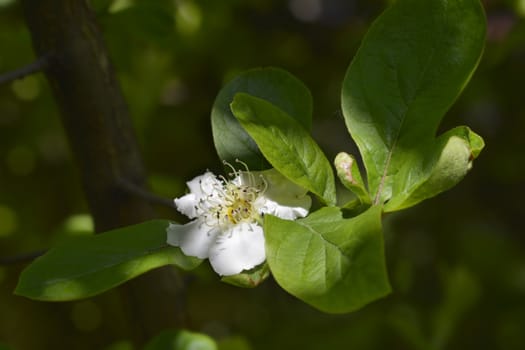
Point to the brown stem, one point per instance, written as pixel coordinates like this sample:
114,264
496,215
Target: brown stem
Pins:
140,192
103,143
20,258
32,68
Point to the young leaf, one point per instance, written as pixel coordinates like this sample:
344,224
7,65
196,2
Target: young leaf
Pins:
350,176
446,162
88,265
274,85
286,145
412,65
336,265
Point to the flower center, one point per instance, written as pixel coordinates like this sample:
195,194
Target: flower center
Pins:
232,201
238,203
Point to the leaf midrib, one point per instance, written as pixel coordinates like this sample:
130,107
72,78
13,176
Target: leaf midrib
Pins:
332,244
408,103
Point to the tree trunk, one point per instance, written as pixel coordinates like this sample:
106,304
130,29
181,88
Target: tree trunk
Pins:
97,123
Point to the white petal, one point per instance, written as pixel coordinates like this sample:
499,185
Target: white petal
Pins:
187,205
287,208
194,238
204,185
201,187
283,198
238,249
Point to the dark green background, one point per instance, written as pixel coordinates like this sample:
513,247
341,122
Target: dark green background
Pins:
456,262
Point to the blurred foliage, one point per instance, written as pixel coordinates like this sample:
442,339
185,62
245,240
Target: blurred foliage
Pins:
181,340
457,262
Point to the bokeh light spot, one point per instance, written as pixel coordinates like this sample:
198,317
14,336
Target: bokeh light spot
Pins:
306,10
120,5
520,7
188,17
8,221
4,3
26,89
79,224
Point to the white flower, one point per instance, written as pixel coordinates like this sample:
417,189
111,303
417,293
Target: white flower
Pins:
228,216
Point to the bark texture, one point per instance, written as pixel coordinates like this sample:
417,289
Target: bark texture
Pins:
103,143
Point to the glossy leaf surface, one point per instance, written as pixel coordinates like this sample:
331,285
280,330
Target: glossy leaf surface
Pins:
448,160
286,145
413,63
85,266
271,84
334,264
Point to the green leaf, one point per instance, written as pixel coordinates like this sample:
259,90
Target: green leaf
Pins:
451,156
274,85
249,279
181,340
286,145
350,176
336,265
88,265
413,63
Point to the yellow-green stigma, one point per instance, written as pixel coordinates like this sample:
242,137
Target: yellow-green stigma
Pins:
234,201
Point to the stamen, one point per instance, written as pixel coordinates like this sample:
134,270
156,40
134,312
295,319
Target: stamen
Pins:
265,184
243,164
235,172
230,202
